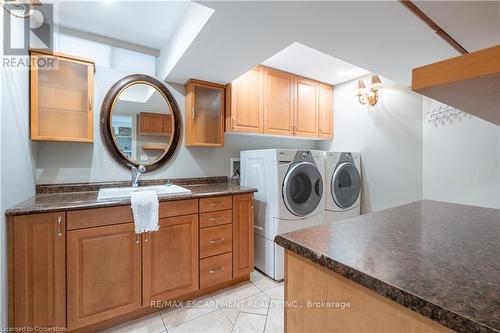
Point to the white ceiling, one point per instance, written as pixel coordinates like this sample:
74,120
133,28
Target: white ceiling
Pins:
298,59
473,24
147,23
380,36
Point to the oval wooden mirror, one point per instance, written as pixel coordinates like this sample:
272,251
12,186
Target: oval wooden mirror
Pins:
140,122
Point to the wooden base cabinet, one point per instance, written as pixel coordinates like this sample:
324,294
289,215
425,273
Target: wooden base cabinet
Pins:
170,259
104,273
37,270
243,222
92,271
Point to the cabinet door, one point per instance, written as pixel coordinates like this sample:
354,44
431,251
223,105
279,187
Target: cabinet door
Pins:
278,102
104,273
246,114
61,99
39,263
325,117
150,123
205,114
243,221
306,107
170,259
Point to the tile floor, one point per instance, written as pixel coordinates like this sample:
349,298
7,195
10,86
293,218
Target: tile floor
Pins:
255,306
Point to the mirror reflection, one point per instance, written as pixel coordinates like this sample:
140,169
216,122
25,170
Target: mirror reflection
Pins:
141,123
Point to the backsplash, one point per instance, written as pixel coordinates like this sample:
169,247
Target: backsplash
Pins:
84,187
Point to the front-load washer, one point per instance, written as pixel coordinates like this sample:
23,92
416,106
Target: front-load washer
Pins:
343,189
290,196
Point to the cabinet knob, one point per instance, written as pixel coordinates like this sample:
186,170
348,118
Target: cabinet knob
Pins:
59,221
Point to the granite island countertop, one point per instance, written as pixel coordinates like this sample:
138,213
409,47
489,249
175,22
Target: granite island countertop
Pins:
60,201
438,259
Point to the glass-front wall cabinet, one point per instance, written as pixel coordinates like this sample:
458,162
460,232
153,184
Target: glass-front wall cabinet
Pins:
61,98
204,114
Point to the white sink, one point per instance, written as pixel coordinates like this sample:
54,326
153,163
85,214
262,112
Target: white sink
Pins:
124,192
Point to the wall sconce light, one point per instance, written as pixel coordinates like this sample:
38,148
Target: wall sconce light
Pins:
370,95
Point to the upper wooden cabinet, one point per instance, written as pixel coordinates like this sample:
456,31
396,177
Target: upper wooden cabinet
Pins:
155,124
279,96
288,104
204,114
61,96
306,107
325,111
38,278
470,82
245,103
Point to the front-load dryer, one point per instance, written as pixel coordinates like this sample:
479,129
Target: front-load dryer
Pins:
343,189
290,197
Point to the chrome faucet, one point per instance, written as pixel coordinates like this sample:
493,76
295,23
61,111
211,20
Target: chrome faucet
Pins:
136,174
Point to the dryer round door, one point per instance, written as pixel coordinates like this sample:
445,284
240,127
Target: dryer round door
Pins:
345,185
302,188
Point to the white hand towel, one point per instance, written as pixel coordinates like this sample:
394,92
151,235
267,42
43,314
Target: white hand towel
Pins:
145,209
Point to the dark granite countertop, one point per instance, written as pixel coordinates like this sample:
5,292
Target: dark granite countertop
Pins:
439,259
51,202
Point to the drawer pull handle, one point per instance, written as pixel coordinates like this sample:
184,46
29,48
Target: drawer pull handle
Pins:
215,270
258,228
215,219
137,238
59,221
215,241
215,203
146,237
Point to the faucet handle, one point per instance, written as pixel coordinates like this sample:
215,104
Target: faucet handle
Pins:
141,168
132,167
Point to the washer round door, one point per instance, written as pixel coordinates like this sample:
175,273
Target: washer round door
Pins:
346,185
302,188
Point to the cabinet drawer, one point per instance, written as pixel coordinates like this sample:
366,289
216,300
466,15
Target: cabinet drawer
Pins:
216,270
88,218
216,240
176,208
216,203
216,218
